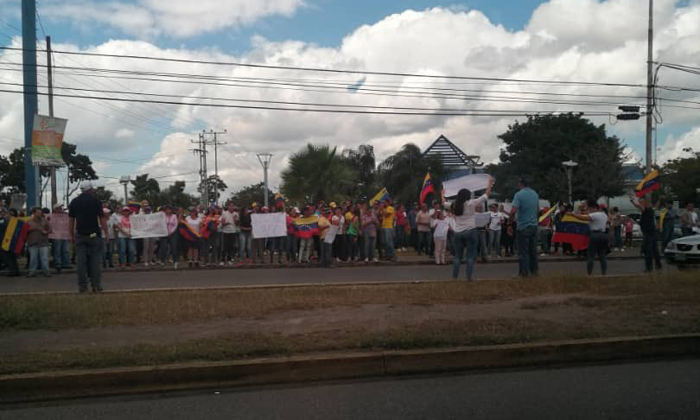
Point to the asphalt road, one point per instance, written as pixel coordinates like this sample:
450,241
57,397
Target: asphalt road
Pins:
163,279
655,390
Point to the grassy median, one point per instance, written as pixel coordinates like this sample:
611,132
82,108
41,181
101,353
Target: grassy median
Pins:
248,323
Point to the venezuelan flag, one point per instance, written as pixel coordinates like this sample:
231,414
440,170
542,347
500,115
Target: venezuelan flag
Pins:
306,227
650,183
15,235
187,232
571,230
210,226
382,195
135,206
548,213
279,201
427,188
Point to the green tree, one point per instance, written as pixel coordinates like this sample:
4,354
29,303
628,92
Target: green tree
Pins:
175,195
145,189
317,173
537,147
12,172
215,186
251,194
107,196
363,163
403,173
682,177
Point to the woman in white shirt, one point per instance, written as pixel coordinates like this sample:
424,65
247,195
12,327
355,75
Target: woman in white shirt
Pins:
466,235
599,242
441,227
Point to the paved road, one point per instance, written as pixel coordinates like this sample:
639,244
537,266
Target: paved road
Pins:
159,279
657,390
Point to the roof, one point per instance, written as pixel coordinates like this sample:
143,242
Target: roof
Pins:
451,155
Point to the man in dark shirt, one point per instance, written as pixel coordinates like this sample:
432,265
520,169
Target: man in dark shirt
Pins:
86,218
650,237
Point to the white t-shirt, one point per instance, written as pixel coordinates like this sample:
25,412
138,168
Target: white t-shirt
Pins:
467,220
599,220
441,228
228,222
194,224
496,219
334,229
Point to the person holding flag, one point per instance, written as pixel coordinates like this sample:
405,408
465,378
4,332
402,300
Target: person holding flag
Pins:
599,241
650,183
427,188
650,237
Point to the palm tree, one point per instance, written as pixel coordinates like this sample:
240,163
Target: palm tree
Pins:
317,173
403,173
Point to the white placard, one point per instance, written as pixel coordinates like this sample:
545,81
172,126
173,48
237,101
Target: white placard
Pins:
148,225
269,225
473,183
507,207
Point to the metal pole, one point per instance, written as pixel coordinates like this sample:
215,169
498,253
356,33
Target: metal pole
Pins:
205,190
49,68
265,159
31,173
126,194
216,171
266,188
650,87
569,174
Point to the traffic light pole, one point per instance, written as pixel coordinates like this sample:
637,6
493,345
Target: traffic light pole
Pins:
31,172
650,86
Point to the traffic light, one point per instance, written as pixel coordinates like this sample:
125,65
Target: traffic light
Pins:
627,117
630,112
629,108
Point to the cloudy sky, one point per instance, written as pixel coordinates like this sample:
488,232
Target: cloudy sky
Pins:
556,40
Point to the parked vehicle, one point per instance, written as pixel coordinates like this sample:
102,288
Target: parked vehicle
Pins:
683,251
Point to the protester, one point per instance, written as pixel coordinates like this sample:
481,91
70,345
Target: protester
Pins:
423,228
167,245
599,241
127,246
525,206
8,258
628,224
616,224
229,232
258,246
413,225
353,233
667,223
149,244
336,224
194,223
38,242
481,225
292,247
494,229
368,229
306,238
466,233
401,228
545,231
61,247
86,228
689,220
441,226
244,237
650,237
388,214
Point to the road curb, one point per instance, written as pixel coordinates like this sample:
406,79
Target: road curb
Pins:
217,375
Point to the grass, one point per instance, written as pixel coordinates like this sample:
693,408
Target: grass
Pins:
32,312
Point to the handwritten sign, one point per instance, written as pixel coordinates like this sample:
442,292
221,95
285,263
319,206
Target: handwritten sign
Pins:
59,226
270,225
148,225
472,183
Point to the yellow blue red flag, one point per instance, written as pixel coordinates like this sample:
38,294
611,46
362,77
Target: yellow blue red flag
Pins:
650,183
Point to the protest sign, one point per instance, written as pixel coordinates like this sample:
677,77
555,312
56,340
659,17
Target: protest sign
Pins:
59,226
47,138
148,225
271,225
482,219
472,183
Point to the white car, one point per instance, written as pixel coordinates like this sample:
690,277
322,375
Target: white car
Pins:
683,250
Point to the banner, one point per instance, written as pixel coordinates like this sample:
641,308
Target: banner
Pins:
148,225
47,138
59,226
269,225
472,183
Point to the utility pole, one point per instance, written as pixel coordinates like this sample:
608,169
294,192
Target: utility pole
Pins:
54,193
124,180
31,172
201,150
216,159
265,159
650,85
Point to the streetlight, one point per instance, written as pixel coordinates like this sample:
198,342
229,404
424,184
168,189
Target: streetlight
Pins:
125,179
265,159
570,165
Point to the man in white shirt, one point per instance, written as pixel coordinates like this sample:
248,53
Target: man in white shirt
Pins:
229,231
495,228
337,223
599,242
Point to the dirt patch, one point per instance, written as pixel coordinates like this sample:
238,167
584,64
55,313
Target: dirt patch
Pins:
371,318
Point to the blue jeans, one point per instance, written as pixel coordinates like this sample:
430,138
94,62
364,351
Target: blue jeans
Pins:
399,233
388,242
369,242
494,242
61,253
88,258
466,239
291,247
527,251
38,255
650,247
618,236
423,242
127,251
244,243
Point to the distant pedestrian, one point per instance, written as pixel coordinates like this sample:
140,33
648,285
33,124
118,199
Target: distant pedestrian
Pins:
88,229
38,243
442,227
524,213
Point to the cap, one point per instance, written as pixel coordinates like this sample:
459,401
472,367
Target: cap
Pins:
126,208
57,206
86,186
333,205
296,209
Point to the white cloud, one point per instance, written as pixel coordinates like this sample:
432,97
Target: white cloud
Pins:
435,41
175,18
675,147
